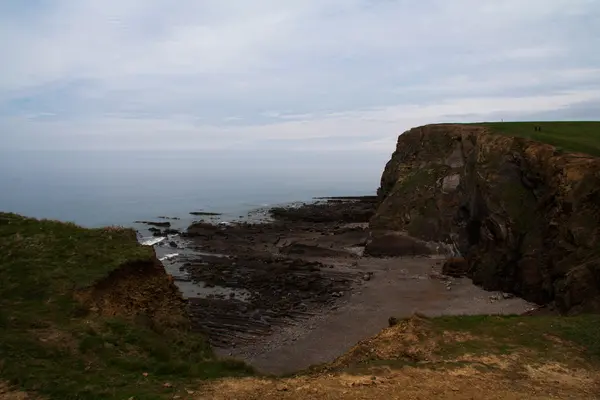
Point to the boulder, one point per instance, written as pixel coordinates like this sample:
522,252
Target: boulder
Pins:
456,267
395,244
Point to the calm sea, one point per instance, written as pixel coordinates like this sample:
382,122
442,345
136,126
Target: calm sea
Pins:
97,188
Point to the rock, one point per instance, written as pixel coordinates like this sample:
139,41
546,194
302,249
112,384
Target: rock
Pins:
155,232
455,267
173,244
507,296
393,321
395,244
524,215
366,277
203,213
162,224
282,388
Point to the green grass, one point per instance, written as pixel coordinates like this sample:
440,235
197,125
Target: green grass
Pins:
469,340
50,345
583,137
507,334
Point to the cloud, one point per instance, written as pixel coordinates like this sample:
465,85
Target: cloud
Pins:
310,74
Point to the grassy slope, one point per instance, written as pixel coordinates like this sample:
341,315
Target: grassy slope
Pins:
581,137
537,334
453,341
47,346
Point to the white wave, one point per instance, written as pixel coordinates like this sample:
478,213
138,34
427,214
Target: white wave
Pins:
152,241
168,256
225,223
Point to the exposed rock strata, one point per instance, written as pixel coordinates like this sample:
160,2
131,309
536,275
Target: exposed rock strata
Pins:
526,216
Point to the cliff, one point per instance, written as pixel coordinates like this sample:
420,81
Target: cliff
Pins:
525,214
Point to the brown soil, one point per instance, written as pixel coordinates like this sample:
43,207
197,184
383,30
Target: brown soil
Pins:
9,393
469,383
137,289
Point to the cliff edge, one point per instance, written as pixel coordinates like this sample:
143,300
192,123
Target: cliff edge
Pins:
525,214
92,314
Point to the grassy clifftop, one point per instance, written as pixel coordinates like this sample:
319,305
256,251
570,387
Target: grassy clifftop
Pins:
90,314
582,137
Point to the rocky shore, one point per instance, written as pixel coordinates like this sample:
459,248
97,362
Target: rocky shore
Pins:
301,287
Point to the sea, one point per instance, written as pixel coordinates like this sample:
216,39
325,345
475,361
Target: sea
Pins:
101,188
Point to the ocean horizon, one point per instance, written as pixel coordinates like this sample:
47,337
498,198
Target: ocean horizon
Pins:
100,188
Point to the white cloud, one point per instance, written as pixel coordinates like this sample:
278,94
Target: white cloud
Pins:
370,130
138,74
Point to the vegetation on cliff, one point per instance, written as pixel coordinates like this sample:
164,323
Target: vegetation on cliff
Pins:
91,314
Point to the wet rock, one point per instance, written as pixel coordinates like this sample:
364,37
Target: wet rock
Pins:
271,262
204,213
394,244
173,244
354,209
456,267
162,224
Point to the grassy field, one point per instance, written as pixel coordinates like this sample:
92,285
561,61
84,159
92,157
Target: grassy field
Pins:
49,345
581,137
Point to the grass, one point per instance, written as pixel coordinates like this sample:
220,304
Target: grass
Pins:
49,345
583,137
481,341
543,337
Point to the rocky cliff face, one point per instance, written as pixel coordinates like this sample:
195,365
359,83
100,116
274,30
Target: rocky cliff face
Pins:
526,216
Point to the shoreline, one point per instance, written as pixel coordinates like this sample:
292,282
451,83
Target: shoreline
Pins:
296,289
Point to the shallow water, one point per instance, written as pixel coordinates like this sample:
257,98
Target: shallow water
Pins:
97,188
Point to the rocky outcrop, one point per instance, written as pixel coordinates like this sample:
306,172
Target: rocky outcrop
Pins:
524,215
395,244
456,267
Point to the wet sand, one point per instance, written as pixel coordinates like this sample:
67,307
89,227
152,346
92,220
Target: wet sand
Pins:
399,287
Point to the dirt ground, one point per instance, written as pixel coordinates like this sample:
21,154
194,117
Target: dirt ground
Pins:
469,383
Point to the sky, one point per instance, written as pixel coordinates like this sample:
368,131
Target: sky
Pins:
273,75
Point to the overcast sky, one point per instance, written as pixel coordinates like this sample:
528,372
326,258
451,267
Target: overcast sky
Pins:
286,74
